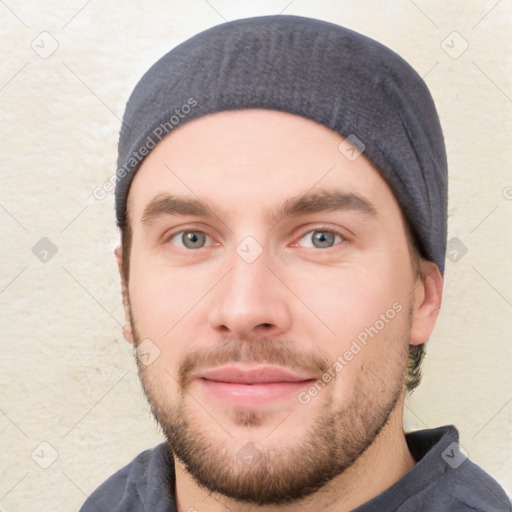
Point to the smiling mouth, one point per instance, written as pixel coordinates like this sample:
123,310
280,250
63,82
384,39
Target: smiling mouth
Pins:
252,387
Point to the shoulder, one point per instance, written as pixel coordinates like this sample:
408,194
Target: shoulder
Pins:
443,479
455,482
145,478
471,488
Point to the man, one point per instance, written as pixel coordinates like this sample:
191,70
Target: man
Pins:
282,196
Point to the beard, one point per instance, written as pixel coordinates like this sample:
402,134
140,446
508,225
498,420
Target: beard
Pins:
286,472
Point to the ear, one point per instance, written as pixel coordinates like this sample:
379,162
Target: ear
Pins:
127,327
427,303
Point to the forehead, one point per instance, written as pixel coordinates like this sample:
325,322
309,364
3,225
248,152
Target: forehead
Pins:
249,161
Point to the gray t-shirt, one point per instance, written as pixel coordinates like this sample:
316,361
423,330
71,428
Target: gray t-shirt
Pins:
443,480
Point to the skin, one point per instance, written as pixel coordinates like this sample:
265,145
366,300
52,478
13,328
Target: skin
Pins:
296,306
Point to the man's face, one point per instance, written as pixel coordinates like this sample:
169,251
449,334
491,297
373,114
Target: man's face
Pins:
245,309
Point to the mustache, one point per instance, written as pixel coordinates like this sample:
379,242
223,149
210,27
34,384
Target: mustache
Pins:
261,351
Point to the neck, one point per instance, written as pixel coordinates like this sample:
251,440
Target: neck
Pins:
383,463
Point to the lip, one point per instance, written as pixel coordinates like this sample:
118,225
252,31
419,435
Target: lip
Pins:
252,375
243,386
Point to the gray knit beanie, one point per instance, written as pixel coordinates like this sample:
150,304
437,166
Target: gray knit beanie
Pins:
319,70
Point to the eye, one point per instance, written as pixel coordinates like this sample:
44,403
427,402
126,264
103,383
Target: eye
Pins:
190,239
320,239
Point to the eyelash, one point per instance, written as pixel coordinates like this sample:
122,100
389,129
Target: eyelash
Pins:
323,229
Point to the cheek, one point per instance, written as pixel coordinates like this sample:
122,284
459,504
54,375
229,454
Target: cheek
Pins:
160,305
159,300
350,299
369,319
161,295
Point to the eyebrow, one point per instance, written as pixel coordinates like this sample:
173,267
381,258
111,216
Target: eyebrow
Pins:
303,204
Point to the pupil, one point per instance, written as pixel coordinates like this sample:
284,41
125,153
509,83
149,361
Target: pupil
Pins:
192,239
323,239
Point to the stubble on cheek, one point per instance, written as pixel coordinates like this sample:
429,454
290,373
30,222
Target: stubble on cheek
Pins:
337,431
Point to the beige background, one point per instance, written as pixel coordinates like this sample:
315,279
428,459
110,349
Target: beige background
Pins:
67,377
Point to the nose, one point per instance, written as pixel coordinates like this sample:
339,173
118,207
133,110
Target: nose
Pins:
250,301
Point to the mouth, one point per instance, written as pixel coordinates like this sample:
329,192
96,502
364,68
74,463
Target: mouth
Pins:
244,386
